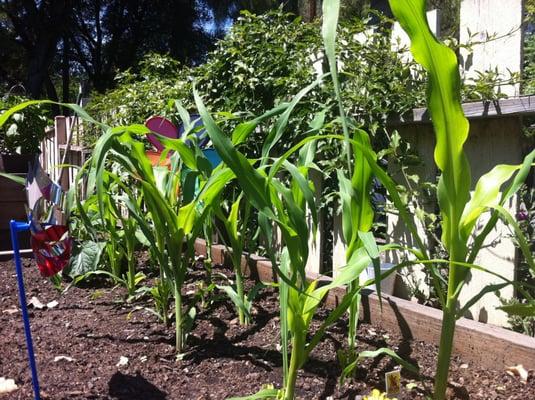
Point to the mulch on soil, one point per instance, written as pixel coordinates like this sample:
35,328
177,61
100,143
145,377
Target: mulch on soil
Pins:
95,327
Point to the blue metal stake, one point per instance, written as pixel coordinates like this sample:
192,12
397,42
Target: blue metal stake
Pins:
17,227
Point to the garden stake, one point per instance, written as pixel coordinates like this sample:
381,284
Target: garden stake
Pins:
17,227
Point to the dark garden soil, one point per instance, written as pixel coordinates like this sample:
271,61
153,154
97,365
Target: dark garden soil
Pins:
94,327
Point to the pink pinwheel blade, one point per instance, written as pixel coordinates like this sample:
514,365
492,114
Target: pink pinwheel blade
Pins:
163,127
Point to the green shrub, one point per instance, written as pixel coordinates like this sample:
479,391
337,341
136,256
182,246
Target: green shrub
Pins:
139,95
265,60
25,129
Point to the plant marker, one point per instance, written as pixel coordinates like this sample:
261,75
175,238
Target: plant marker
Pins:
393,382
17,227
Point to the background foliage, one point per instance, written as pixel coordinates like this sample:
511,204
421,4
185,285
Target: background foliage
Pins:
25,130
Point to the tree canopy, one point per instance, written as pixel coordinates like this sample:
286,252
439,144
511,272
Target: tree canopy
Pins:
50,46
46,42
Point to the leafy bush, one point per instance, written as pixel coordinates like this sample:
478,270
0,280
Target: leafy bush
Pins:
25,129
244,75
139,95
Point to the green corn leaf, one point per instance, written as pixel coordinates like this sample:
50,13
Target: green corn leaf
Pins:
262,394
233,296
100,151
451,126
349,229
186,217
362,180
486,195
331,10
517,182
242,131
15,178
75,107
252,183
374,354
369,243
283,304
184,115
300,179
520,177
161,176
98,272
519,236
215,184
187,154
281,124
477,297
355,265
310,303
233,218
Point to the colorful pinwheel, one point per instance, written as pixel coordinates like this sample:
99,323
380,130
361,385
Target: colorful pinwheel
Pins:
50,240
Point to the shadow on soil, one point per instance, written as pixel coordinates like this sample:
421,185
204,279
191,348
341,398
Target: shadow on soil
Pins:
129,387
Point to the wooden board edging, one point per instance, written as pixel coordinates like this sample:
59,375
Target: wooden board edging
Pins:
483,345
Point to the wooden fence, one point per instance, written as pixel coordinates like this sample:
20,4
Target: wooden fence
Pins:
55,144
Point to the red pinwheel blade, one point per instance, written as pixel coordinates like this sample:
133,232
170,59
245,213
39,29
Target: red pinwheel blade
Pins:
52,249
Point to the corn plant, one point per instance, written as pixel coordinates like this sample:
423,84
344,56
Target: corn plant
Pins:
460,210
167,221
109,230
354,184
234,230
171,222
282,192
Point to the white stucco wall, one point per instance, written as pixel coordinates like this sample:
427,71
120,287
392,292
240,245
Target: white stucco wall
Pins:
501,19
492,141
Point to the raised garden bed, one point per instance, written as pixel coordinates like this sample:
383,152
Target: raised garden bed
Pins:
95,327
12,206
486,345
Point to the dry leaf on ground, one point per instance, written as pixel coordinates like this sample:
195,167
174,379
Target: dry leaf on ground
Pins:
7,385
518,370
36,303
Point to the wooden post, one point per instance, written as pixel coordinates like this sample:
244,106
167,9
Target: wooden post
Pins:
60,137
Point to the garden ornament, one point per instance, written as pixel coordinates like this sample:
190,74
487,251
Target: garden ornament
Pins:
50,240
161,126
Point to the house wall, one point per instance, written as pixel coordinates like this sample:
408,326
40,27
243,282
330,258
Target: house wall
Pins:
481,19
491,141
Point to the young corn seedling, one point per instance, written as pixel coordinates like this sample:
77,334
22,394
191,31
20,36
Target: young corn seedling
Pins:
354,184
234,231
286,205
459,208
167,221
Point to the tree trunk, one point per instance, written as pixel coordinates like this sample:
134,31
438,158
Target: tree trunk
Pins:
65,73
312,11
41,25
52,94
